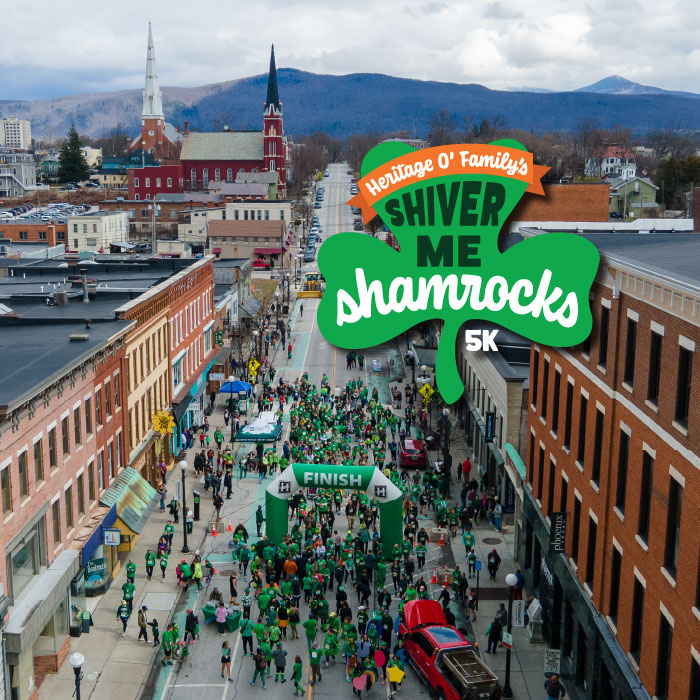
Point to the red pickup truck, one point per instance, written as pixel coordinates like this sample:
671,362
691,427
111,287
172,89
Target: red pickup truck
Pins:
261,264
443,658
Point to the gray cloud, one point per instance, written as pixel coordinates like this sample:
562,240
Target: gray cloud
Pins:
549,44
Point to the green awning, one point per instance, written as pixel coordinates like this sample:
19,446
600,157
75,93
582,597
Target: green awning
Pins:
516,461
132,495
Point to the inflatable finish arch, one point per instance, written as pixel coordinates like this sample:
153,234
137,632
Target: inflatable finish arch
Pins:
369,479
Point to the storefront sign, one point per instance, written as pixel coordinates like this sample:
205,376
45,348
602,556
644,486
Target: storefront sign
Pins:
216,377
490,427
557,533
112,537
507,640
552,661
96,567
509,500
519,613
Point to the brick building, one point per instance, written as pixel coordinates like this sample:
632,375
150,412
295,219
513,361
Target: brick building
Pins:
51,234
53,425
614,442
572,202
146,183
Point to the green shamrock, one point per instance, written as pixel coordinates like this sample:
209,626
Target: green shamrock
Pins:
450,268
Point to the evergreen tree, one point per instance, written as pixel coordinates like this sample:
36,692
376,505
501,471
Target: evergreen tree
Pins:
72,166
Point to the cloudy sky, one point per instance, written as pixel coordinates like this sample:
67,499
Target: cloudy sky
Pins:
53,48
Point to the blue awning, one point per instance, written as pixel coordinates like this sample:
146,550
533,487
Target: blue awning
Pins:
95,540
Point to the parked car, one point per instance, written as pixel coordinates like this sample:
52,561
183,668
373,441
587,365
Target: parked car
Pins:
442,656
317,205
261,264
326,174
413,454
309,256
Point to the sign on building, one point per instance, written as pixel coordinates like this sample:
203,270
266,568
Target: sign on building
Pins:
552,661
96,567
490,426
507,640
557,533
112,537
519,613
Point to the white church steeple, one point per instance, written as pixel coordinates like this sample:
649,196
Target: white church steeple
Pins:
152,99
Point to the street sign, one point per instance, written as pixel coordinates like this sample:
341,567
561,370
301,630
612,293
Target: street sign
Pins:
552,661
218,337
518,613
112,537
508,640
253,365
178,491
477,564
426,391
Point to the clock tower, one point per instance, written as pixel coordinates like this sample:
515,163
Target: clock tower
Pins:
155,137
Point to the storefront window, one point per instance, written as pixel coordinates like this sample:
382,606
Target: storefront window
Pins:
77,599
24,565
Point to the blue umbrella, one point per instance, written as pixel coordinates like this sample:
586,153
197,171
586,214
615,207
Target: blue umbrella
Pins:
235,387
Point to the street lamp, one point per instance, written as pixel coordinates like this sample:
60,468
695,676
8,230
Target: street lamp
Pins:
277,304
423,376
76,661
183,469
230,408
256,335
512,581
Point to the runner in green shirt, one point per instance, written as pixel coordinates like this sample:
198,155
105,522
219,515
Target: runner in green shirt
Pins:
310,628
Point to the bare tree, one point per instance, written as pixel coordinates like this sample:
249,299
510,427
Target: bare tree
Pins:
442,128
586,142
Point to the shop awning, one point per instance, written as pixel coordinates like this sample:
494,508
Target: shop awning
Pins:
216,251
259,430
268,251
132,495
516,460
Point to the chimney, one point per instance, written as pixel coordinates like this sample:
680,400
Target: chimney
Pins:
187,128
85,287
178,129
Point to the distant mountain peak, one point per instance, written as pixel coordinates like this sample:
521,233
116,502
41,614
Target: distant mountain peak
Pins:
618,85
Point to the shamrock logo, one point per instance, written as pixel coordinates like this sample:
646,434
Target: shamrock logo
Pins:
449,267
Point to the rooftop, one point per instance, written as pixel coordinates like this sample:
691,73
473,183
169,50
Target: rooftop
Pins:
223,145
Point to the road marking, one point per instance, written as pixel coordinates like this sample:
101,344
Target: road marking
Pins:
233,656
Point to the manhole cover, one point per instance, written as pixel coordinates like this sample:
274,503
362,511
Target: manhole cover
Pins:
491,540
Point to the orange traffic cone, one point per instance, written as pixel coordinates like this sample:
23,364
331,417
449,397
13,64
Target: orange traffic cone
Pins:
441,543
214,533
434,578
229,527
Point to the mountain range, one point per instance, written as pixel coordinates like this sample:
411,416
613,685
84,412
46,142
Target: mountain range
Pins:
364,102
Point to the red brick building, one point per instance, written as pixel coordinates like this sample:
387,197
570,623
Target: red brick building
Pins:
51,234
59,411
614,442
146,183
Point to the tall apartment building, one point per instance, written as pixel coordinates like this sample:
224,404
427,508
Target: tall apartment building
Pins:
15,133
614,442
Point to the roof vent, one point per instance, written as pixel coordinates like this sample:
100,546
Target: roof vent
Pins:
60,298
79,336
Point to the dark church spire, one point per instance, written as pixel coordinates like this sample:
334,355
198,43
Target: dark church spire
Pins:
273,97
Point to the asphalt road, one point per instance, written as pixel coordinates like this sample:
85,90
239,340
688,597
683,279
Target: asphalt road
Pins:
200,676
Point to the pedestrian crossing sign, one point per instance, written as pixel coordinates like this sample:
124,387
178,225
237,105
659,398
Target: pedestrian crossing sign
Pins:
253,365
426,392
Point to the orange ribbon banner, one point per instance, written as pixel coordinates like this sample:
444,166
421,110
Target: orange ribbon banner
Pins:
440,161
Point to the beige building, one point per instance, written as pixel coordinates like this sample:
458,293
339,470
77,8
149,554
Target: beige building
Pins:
96,231
265,210
93,156
248,239
15,133
195,230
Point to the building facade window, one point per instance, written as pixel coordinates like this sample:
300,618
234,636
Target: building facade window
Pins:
603,337
76,427
615,573
645,496
65,435
53,457
685,371
598,445
591,554
6,484
39,460
56,522
567,414
535,375
88,416
550,488
581,447
555,402
91,481
622,462
576,529
23,475
69,507
108,399
80,491
545,390
98,407
564,495
540,474
663,664
673,527
654,367
630,351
